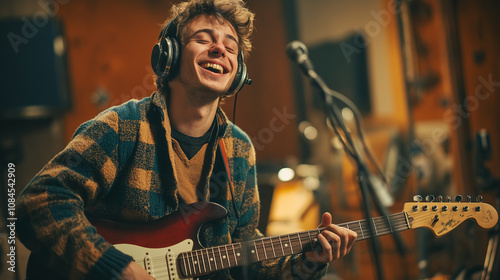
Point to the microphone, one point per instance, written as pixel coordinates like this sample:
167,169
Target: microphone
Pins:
297,51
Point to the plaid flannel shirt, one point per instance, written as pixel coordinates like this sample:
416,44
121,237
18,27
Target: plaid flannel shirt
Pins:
117,167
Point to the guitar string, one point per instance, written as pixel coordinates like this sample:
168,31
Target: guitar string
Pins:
398,222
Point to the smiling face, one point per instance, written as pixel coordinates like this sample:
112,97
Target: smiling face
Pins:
209,58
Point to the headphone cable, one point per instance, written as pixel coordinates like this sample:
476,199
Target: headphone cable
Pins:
234,108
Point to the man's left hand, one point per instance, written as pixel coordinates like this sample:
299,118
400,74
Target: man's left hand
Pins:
335,241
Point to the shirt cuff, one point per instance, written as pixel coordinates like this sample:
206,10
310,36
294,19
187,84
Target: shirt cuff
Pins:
110,265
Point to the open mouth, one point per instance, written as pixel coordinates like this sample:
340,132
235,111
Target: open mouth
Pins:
213,67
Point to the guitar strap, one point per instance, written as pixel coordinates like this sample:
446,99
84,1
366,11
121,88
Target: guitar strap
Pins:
228,174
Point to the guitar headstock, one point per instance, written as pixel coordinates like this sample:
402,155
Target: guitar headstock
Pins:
442,217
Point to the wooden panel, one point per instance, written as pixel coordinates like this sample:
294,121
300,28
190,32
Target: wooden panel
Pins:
479,26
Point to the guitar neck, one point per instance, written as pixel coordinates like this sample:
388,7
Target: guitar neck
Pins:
203,261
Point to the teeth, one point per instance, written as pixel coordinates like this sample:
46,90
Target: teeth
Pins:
213,66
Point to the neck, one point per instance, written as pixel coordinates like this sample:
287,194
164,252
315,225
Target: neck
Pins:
191,118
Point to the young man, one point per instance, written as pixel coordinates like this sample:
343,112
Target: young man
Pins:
144,160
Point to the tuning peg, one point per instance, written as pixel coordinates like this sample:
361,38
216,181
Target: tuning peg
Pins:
479,198
440,198
429,198
448,198
417,198
469,198
458,198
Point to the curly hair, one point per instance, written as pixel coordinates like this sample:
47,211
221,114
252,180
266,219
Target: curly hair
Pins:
233,11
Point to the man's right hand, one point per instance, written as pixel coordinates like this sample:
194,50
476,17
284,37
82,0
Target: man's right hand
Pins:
134,272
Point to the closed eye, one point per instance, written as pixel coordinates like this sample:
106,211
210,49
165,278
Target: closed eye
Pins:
203,41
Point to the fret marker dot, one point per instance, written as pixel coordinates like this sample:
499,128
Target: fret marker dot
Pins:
286,245
224,257
211,259
253,251
238,254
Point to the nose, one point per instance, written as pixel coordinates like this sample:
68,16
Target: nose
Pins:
218,49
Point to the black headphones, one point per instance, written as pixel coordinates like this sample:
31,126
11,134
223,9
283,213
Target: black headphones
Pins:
166,54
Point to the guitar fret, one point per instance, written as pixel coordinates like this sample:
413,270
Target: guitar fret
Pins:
198,261
189,264
256,250
281,243
361,229
234,255
213,258
208,260
193,262
290,242
300,242
374,227
203,260
221,258
310,239
390,224
272,247
264,248
227,256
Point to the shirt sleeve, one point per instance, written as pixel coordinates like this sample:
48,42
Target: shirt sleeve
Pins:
290,267
52,222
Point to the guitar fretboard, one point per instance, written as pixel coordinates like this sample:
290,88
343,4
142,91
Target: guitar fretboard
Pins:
203,261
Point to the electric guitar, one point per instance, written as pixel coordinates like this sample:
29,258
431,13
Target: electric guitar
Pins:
170,248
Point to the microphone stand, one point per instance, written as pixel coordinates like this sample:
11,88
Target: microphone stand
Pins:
333,115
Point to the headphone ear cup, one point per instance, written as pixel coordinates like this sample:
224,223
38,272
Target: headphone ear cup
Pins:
173,62
165,57
240,79
155,60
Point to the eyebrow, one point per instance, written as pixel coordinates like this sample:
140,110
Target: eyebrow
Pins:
211,32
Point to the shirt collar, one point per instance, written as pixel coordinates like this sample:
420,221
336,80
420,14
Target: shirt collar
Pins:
159,101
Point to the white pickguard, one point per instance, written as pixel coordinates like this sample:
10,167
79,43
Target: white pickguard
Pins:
159,262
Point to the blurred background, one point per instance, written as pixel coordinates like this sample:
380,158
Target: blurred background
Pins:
424,74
